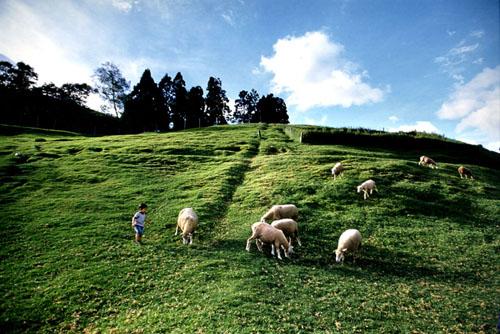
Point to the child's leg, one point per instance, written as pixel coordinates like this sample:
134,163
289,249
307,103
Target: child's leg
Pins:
139,230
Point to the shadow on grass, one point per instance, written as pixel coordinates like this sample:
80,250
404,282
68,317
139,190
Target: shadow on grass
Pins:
375,262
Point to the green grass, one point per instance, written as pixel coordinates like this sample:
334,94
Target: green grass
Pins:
429,264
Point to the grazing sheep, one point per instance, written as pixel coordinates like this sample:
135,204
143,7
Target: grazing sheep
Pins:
289,227
349,241
265,233
426,161
187,221
281,211
465,172
337,170
366,186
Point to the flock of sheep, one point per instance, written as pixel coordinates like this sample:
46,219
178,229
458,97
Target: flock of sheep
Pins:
284,227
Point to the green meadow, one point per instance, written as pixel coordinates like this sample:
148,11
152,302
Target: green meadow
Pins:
429,261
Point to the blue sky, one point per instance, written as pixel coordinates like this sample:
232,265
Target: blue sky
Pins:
394,65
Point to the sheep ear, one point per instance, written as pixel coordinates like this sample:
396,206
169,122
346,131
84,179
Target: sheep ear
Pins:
344,250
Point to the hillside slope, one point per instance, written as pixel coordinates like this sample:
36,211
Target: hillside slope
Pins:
430,251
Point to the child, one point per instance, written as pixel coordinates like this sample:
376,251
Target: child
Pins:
138,222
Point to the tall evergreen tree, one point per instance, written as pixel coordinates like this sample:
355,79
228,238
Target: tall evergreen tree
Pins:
111,86
167,93
195,108
179,106
271,109
143,110
216,102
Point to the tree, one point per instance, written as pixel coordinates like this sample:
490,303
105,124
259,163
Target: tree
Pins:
195,108
271,109
143,107
245,107
180,103
77,93
216,102
111,86
6,69
166,87
20,77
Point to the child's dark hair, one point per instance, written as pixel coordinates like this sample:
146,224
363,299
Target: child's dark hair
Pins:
143,206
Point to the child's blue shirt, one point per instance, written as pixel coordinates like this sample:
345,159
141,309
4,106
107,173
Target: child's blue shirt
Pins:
140,218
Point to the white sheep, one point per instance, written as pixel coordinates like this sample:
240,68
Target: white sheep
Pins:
265,233
289,227
337,170
426,161
187,221
463,171
349,241
367,186
281,211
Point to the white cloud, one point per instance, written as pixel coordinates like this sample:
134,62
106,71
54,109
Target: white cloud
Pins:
451,32
124,5
311,70
393,118
314,121
493,146
452,62
460,50
490,145
421,126
38,47
477,33
478,61
477,99
229,17
476,105
57,46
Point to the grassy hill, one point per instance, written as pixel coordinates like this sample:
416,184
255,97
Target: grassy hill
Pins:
430,260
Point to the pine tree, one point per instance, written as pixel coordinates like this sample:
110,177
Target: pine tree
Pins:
216,102
143,109
166,87
195,108
179,106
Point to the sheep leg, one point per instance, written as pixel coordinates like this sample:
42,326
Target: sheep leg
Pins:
190,239
176,229
272,250
365,194
248,243
259,244
297,239
278,250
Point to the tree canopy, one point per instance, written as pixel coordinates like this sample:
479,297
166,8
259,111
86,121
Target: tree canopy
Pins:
111,86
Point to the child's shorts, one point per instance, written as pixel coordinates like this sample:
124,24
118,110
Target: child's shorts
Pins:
139,229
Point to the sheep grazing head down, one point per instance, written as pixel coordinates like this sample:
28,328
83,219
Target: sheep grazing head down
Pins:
359,188
339,255
187,239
